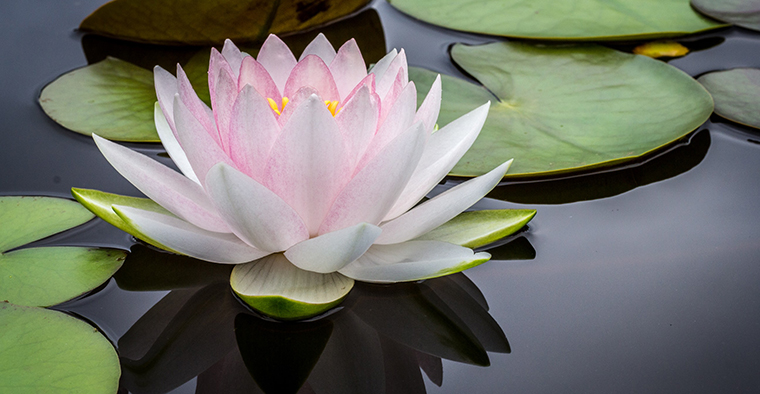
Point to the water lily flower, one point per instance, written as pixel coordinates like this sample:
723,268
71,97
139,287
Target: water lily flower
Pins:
311,169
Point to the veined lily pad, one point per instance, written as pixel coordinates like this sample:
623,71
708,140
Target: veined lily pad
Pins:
744,13
44,351
736,93
111,97
559,20
275,287
561,109
48,275
478,228
203,22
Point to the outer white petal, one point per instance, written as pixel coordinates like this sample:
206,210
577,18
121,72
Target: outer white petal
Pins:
443,150
332,251
178,194
253,212
441,208
321,47
431,106
169,140
413,260
188,239
166,88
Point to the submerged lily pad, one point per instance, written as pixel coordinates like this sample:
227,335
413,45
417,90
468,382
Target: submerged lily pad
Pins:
558,20
736,93
47,276
111,98
661,49
44,351
204,22
744,13
561,109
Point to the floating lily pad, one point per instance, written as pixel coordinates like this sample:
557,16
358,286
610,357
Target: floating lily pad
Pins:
736,93
47,276
44,351
560,20
111,98
478,228
744,13
661,49
201,22
562,109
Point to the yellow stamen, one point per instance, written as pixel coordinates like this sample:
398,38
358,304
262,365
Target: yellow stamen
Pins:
273,105
332,106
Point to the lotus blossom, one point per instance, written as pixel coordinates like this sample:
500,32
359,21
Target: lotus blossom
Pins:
316,162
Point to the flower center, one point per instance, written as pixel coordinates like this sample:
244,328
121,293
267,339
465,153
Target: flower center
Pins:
331,105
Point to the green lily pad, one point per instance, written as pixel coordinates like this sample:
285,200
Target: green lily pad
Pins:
562,20
202,22
657,49
112,98
47,276
736,93
561,109
744,13
478,228
277,288
44,351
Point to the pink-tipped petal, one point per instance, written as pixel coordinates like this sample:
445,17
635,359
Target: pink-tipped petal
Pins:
373,190
308,165
216,62
348,68
382,65
312,71
254,213
301,96
394,92
188,239
233,56
200,110
201,149
431,106
385,82
332,251
166,88
223,98
412,261
276,57
441,208
168,188
252,132
169,140
254,74
368,81
357,121
321,47
443,150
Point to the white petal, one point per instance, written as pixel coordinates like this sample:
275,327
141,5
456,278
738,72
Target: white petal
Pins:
277,58
188,239
233,56
166,88
348,68
321,47
413,260
253,212
382,65
442,151
332,251
441,208
431,106
169,140
168,188
397,65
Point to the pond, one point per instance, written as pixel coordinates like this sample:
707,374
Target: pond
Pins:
638,278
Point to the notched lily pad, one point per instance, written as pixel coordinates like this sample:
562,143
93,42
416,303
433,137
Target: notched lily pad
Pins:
44,351
744,13
557,110
195,22
47,276
736,93
562,20
112,98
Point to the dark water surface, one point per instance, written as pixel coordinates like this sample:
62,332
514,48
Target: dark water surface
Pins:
644,278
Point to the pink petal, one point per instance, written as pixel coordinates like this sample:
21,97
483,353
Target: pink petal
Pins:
168,188
198,108
382,65
222,99
332,251
442,151
321,47
385,82
394,92
166,88
301,96
216,62
276,57
233,56
368,81
308,166
252,132
312,71
441,208
428,111
170,143
188,239
254,74
357,121
348,68
254,213
373,190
